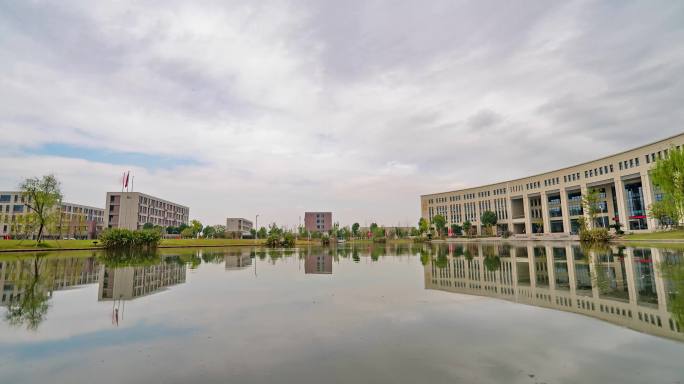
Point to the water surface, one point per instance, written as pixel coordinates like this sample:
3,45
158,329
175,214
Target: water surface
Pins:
487,313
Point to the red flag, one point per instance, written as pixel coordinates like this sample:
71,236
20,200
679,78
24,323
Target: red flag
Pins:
126,182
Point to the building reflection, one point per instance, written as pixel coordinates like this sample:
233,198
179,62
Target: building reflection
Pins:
237,260
318,264
640,288
28,284
132,282
54,274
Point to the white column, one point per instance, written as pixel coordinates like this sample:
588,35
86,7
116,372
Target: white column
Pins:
658,280
545,212
551,268
648,198
631,279
565,210
621,202
570,259
528,214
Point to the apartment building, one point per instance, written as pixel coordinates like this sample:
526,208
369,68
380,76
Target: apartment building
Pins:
551,202
132,210
318,221
73,220
238,227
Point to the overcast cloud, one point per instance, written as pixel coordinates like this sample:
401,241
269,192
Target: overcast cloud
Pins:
358,107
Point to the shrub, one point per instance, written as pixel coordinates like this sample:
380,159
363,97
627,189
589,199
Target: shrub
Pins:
118,238
381,240
594,235
275,240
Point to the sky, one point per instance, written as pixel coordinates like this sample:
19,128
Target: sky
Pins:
238,108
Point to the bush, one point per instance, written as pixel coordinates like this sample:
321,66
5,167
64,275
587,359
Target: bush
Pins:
118,238
380,240
276,240
594,235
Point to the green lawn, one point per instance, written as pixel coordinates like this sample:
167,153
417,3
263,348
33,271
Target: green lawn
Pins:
665,235
8,245
47,244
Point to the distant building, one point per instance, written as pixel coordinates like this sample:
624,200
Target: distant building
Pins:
318,221
318,264
73,220
132,210
80,221
238,227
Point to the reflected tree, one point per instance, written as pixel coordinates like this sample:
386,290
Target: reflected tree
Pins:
492,263
672,271
30,309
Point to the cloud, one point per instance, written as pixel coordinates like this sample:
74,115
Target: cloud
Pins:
357,107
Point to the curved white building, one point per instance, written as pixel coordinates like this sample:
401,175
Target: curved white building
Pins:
550,202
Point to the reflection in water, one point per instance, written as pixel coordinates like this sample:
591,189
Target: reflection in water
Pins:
615,284
127,283
28,283
318,264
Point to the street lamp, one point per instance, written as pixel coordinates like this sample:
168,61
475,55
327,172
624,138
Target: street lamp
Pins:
256,229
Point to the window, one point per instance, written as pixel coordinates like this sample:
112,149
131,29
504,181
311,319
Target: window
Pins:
636,161
5,198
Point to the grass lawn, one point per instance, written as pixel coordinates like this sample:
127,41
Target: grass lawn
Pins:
9,245
664,235
47,244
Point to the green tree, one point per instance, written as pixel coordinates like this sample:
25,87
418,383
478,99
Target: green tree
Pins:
668,176
187,233
209,232
665,211
466,227
373,227
148,226
355,229
423,225
488,219
440,223
262,233
196,227
42,196
456,229
590,204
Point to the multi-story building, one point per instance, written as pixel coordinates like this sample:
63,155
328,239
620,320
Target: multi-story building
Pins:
551,202
80,221
238,227
73,220
132,210
318,221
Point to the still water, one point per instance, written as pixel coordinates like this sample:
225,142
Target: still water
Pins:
471,313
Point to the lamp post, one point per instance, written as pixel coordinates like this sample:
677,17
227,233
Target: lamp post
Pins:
256,227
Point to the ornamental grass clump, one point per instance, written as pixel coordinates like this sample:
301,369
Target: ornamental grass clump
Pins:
118,238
